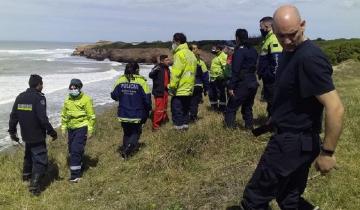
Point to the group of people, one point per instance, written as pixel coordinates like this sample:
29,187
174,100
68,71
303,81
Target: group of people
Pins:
297,87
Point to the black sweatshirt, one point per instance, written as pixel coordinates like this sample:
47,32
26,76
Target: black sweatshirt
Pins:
29,111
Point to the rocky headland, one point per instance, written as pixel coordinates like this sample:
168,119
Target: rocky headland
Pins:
124,52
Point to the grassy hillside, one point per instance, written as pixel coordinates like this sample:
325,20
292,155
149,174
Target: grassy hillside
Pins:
204,168
340,50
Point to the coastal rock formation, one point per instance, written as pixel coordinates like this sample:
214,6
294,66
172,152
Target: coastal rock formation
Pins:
108,50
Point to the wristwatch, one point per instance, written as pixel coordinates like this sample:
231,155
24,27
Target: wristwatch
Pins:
327,152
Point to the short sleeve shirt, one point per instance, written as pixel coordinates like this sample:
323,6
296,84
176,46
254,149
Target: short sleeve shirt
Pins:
302,75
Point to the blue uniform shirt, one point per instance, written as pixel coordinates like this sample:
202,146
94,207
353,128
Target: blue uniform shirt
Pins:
302,75
243,68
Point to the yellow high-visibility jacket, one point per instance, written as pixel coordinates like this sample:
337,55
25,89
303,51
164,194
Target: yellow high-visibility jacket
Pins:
78,112
182,73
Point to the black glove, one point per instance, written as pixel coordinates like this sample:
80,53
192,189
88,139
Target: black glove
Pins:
261,130
14,137
53,135
171,92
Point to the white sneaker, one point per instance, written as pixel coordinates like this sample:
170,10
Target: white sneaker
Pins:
185,126
178,127
75,180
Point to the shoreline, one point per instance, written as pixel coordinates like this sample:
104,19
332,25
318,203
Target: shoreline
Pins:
13,147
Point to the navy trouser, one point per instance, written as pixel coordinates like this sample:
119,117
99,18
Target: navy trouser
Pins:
132,132
268,96
282,171
35,159
217,94
243,97
76,145
180,107
195,101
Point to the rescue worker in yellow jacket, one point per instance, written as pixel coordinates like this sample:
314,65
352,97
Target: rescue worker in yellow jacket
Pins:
217,91
201,84
78,120
182,81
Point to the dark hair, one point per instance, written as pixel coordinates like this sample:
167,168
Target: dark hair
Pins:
35,80
267,19
163,57
192,48
243,37
131,69
179,37
76,82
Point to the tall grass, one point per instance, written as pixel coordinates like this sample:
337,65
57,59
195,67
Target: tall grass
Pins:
206,167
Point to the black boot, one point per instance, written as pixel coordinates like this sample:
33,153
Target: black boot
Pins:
126,151
34,186
306,205
26,177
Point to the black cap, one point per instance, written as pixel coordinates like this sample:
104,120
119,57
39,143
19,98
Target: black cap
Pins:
76,82
35,80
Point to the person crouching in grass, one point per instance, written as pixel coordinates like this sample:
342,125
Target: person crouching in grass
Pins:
78,120
133,94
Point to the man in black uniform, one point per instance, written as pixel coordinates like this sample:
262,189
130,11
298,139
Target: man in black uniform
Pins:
303,88
29,111
243,84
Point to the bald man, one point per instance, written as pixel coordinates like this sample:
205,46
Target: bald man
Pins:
303,88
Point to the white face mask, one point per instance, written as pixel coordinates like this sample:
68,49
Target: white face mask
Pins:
174,46
74,92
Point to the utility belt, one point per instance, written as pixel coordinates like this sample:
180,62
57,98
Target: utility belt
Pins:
312,131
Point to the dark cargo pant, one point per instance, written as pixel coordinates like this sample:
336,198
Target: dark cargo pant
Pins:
268,96
243,97
76,145
282,171
180,107
195,101
35,159
132,132
217,95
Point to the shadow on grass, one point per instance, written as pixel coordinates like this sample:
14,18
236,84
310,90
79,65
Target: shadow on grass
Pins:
89,162
212,110
234,208
51,175
139,147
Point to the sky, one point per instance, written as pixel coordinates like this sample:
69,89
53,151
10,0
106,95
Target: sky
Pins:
152,20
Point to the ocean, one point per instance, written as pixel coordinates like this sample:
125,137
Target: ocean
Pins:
53,61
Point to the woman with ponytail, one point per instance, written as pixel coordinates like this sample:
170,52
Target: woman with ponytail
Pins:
133,94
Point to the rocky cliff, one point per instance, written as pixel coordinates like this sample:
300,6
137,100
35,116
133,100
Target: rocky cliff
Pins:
117,52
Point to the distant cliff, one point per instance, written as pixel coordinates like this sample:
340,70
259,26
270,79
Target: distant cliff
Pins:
124,52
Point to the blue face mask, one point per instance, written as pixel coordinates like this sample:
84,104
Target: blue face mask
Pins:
74,92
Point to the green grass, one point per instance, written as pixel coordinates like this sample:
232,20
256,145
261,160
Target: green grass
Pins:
204,168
